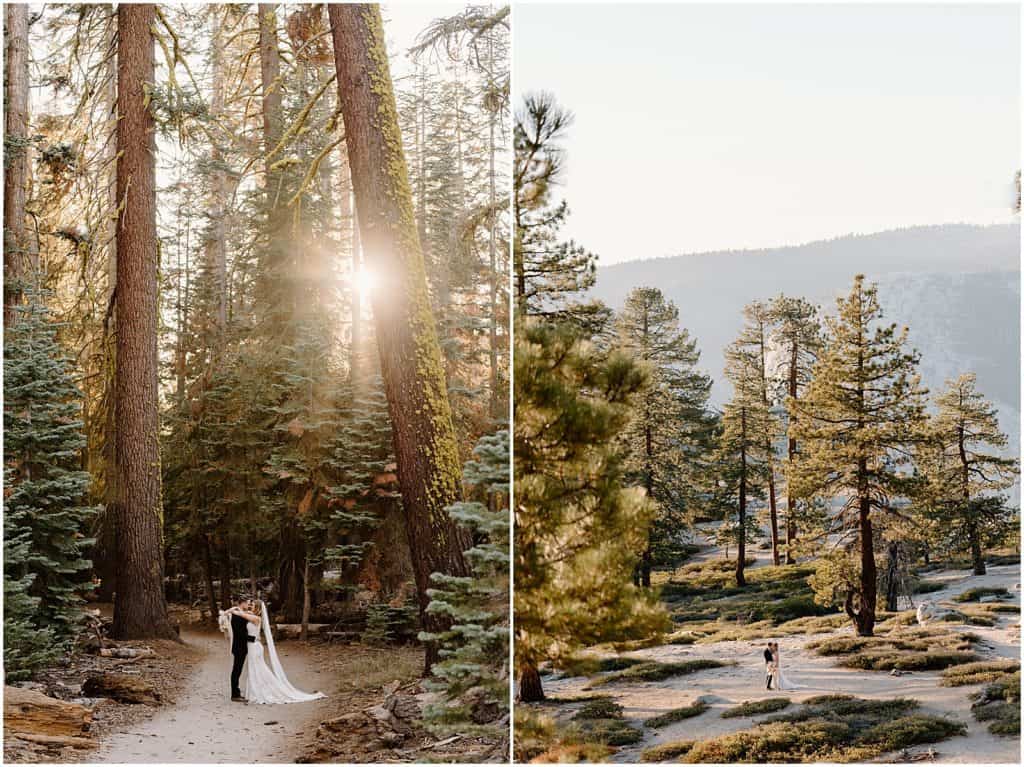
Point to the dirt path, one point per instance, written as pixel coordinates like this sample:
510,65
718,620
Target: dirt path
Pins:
205,726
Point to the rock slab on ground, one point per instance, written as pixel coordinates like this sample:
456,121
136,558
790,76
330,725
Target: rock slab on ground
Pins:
123,688
33,713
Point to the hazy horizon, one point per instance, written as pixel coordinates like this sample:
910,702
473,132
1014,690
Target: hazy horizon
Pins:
703,128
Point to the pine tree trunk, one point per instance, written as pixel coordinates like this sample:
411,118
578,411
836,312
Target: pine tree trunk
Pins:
211,595
225,577
530,688
16,156
215,243
791,531
977,559
773,515
865,619
273,268
892,566
140,609
414,380
304,630
105,565
741,543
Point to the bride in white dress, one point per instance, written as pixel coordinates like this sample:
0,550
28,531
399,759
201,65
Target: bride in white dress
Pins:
263,683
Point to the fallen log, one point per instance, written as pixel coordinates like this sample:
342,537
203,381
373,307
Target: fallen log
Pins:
123,688
294,630
31,712
126,652
61,741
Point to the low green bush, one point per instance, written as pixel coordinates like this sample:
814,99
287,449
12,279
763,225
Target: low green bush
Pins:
677,715
975,595
655,671
666,752
755,707
978,673
908,661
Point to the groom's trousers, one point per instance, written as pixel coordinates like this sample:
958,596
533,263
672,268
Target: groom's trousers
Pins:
236,674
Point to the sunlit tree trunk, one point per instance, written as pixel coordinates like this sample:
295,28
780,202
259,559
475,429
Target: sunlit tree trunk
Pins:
16,156
414,380
140,609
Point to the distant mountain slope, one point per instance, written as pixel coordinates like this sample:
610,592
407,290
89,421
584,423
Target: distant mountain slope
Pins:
956,286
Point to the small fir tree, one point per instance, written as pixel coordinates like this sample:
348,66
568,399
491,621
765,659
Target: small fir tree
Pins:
45,516
473,671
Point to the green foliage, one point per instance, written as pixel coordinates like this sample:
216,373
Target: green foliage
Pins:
859,415
656,671
825,729
45,516
975,594
999,704
669,438
961,457
549,274
387,623
677,715
474,649
578,529
978,673
756,707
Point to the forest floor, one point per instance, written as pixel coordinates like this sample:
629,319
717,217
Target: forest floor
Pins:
196,722
743,678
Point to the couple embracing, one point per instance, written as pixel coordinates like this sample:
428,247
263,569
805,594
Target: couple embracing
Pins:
773,670
263,683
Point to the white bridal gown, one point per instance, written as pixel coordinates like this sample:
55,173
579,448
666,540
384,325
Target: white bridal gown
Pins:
269,684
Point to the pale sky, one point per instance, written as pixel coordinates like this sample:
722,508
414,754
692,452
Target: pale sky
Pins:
703,127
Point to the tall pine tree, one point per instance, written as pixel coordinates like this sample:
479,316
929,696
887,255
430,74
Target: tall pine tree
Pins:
857,421
965,468
670,432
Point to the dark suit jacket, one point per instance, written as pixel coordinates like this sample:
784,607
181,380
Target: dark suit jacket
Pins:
768,657
239,635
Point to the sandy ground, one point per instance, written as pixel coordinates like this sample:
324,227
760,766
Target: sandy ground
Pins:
205,726
729,686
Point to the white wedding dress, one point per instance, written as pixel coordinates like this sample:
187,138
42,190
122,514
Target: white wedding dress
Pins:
269,684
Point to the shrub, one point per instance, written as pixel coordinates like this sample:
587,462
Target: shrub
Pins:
666,751
909,661
978,673
825,728
677,715
927,587
589,665
975,595
755,707
999,704
600,707
910,731
655,671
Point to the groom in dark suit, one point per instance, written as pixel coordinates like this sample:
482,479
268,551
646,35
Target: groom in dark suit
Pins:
239,646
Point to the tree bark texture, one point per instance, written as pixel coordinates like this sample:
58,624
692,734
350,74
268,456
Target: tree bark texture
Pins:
16,156
140,610
422,431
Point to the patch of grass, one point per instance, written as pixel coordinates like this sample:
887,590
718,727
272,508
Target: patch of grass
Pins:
978,673
756,707
975,594
677,715
666,752
999,705
835,728
655,671
909,661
